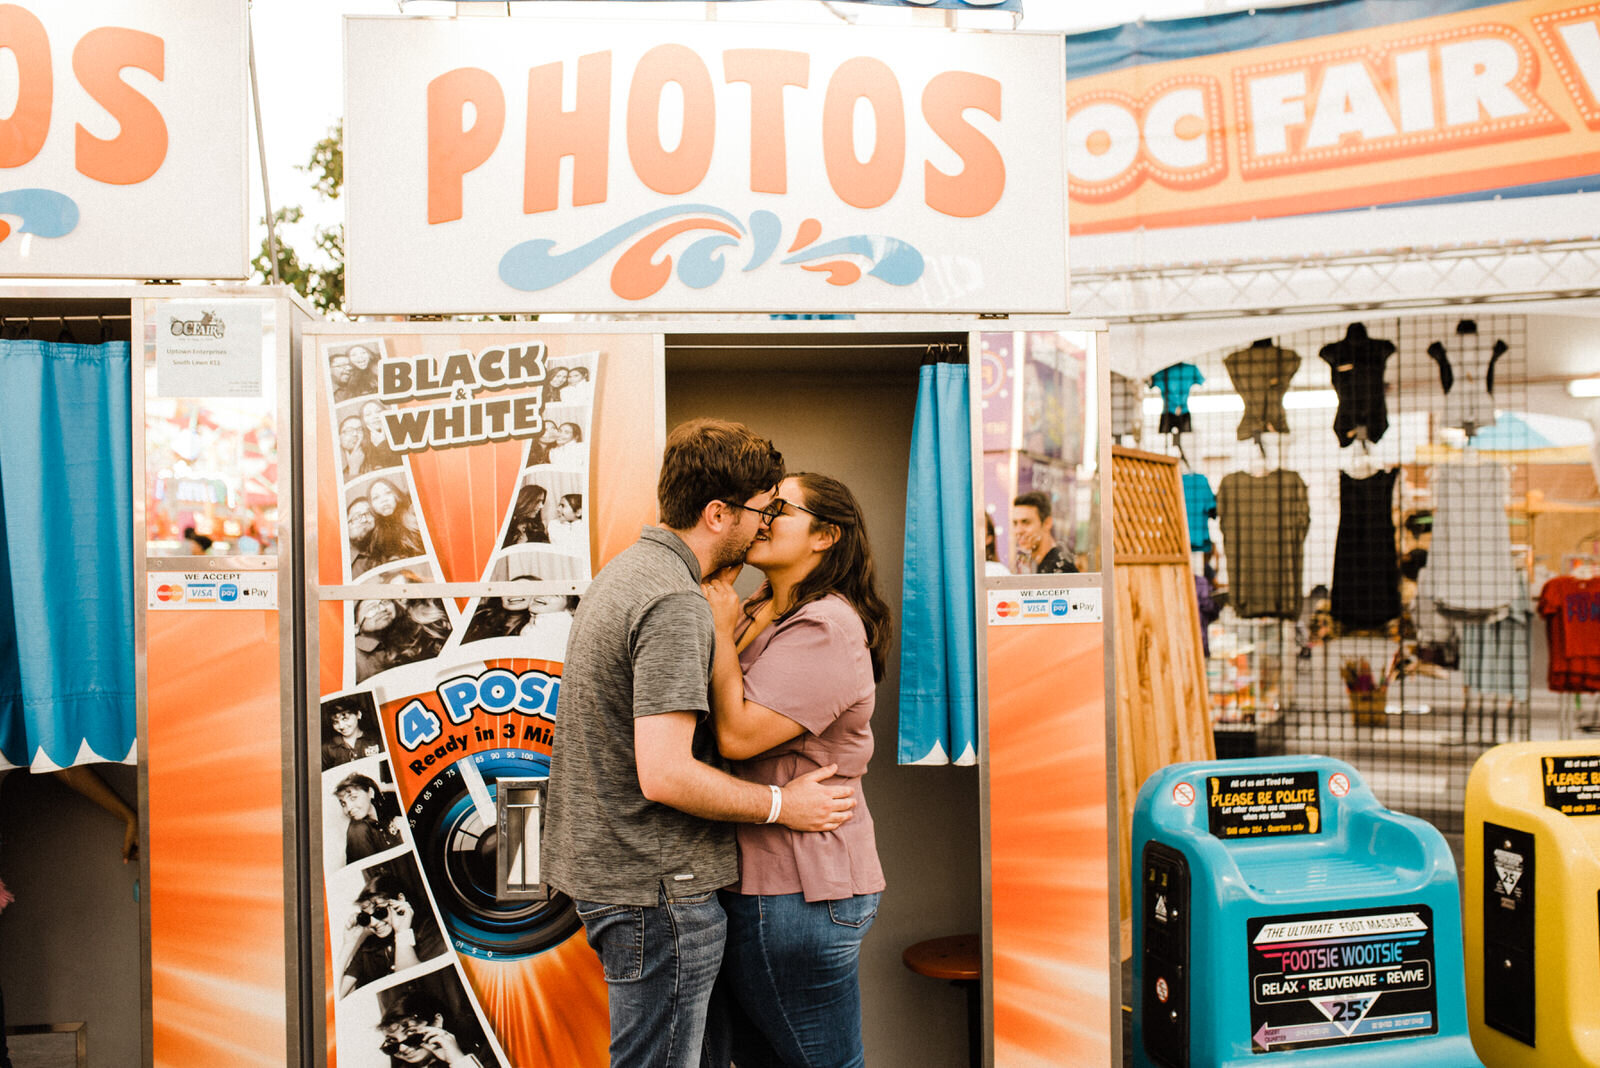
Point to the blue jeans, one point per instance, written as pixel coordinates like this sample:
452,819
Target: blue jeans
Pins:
790,987
660,963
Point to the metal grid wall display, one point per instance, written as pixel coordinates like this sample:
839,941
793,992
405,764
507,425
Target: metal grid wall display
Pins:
1360,526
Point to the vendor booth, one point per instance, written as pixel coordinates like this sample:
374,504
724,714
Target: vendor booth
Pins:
141,424
511,527
1348,256
357,545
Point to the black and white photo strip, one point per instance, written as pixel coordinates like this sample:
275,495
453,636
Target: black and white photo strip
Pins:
392,632
568,401
381,920
363,440
361,814
382,523
425,1019
350,729
353,368
538,624
548,512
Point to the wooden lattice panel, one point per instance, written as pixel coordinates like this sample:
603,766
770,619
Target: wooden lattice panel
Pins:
1148,522
1163,710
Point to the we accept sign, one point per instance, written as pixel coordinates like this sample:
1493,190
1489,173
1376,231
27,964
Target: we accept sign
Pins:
532,165
122,146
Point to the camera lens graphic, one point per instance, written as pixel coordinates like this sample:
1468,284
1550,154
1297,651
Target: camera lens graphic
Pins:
458,852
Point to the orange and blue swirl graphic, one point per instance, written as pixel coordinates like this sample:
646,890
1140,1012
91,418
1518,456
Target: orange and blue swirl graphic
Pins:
43,212
644,268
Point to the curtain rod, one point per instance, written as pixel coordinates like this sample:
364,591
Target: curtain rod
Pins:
65,318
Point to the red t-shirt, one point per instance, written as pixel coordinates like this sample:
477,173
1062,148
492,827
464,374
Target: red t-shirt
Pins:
1571,607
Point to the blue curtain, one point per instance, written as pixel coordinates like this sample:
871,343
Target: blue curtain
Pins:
66,554
938,634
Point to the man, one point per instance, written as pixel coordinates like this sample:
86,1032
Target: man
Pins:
636,829
1037,551
361,525
343,373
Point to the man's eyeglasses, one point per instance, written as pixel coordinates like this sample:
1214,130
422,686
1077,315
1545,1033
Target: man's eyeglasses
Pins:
772,511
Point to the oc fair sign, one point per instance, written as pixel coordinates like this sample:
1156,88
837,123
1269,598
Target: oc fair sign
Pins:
527,165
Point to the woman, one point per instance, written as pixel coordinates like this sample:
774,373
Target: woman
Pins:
554,385
577,389
376,444
347,734
505,617
390,633
569,449
527,517
569,533
386,932
793,684
363,371
991,557
398,536
374,815
351,436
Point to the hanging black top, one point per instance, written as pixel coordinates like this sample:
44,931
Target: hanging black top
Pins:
1261,375
1366,563
1357,363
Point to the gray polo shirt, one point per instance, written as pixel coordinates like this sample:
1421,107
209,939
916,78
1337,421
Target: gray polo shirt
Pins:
641,644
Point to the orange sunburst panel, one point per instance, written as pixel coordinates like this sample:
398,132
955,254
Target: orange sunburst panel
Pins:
1049,864
214,749
549,1011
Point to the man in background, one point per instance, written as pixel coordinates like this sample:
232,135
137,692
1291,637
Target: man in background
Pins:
1037,550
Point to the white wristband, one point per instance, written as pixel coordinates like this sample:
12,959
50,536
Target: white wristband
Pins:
777,804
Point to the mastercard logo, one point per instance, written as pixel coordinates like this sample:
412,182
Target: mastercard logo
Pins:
1006,609
169,593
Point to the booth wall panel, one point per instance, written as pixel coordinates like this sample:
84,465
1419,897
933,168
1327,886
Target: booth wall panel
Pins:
856,426
1046,748
215,804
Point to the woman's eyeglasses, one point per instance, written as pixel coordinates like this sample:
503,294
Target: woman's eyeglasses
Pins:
772,511
776,508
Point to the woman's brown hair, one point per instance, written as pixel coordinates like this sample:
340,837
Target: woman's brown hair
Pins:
845,568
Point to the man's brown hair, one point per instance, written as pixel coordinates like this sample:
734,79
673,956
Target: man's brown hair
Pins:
1035,499
712,460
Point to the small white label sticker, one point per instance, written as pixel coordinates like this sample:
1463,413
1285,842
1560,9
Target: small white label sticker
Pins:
1046,604
168,590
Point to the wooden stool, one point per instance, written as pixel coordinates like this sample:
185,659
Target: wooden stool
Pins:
958,958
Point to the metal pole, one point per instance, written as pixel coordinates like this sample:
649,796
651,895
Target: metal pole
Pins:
261,149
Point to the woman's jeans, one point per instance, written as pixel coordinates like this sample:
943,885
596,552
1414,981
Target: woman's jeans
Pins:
789,979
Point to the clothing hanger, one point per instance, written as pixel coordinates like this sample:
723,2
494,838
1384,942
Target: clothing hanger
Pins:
1362,466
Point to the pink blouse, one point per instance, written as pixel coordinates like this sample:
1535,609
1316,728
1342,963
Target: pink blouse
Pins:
814,668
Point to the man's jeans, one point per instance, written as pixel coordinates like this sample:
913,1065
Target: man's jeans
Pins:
660,964
790,986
